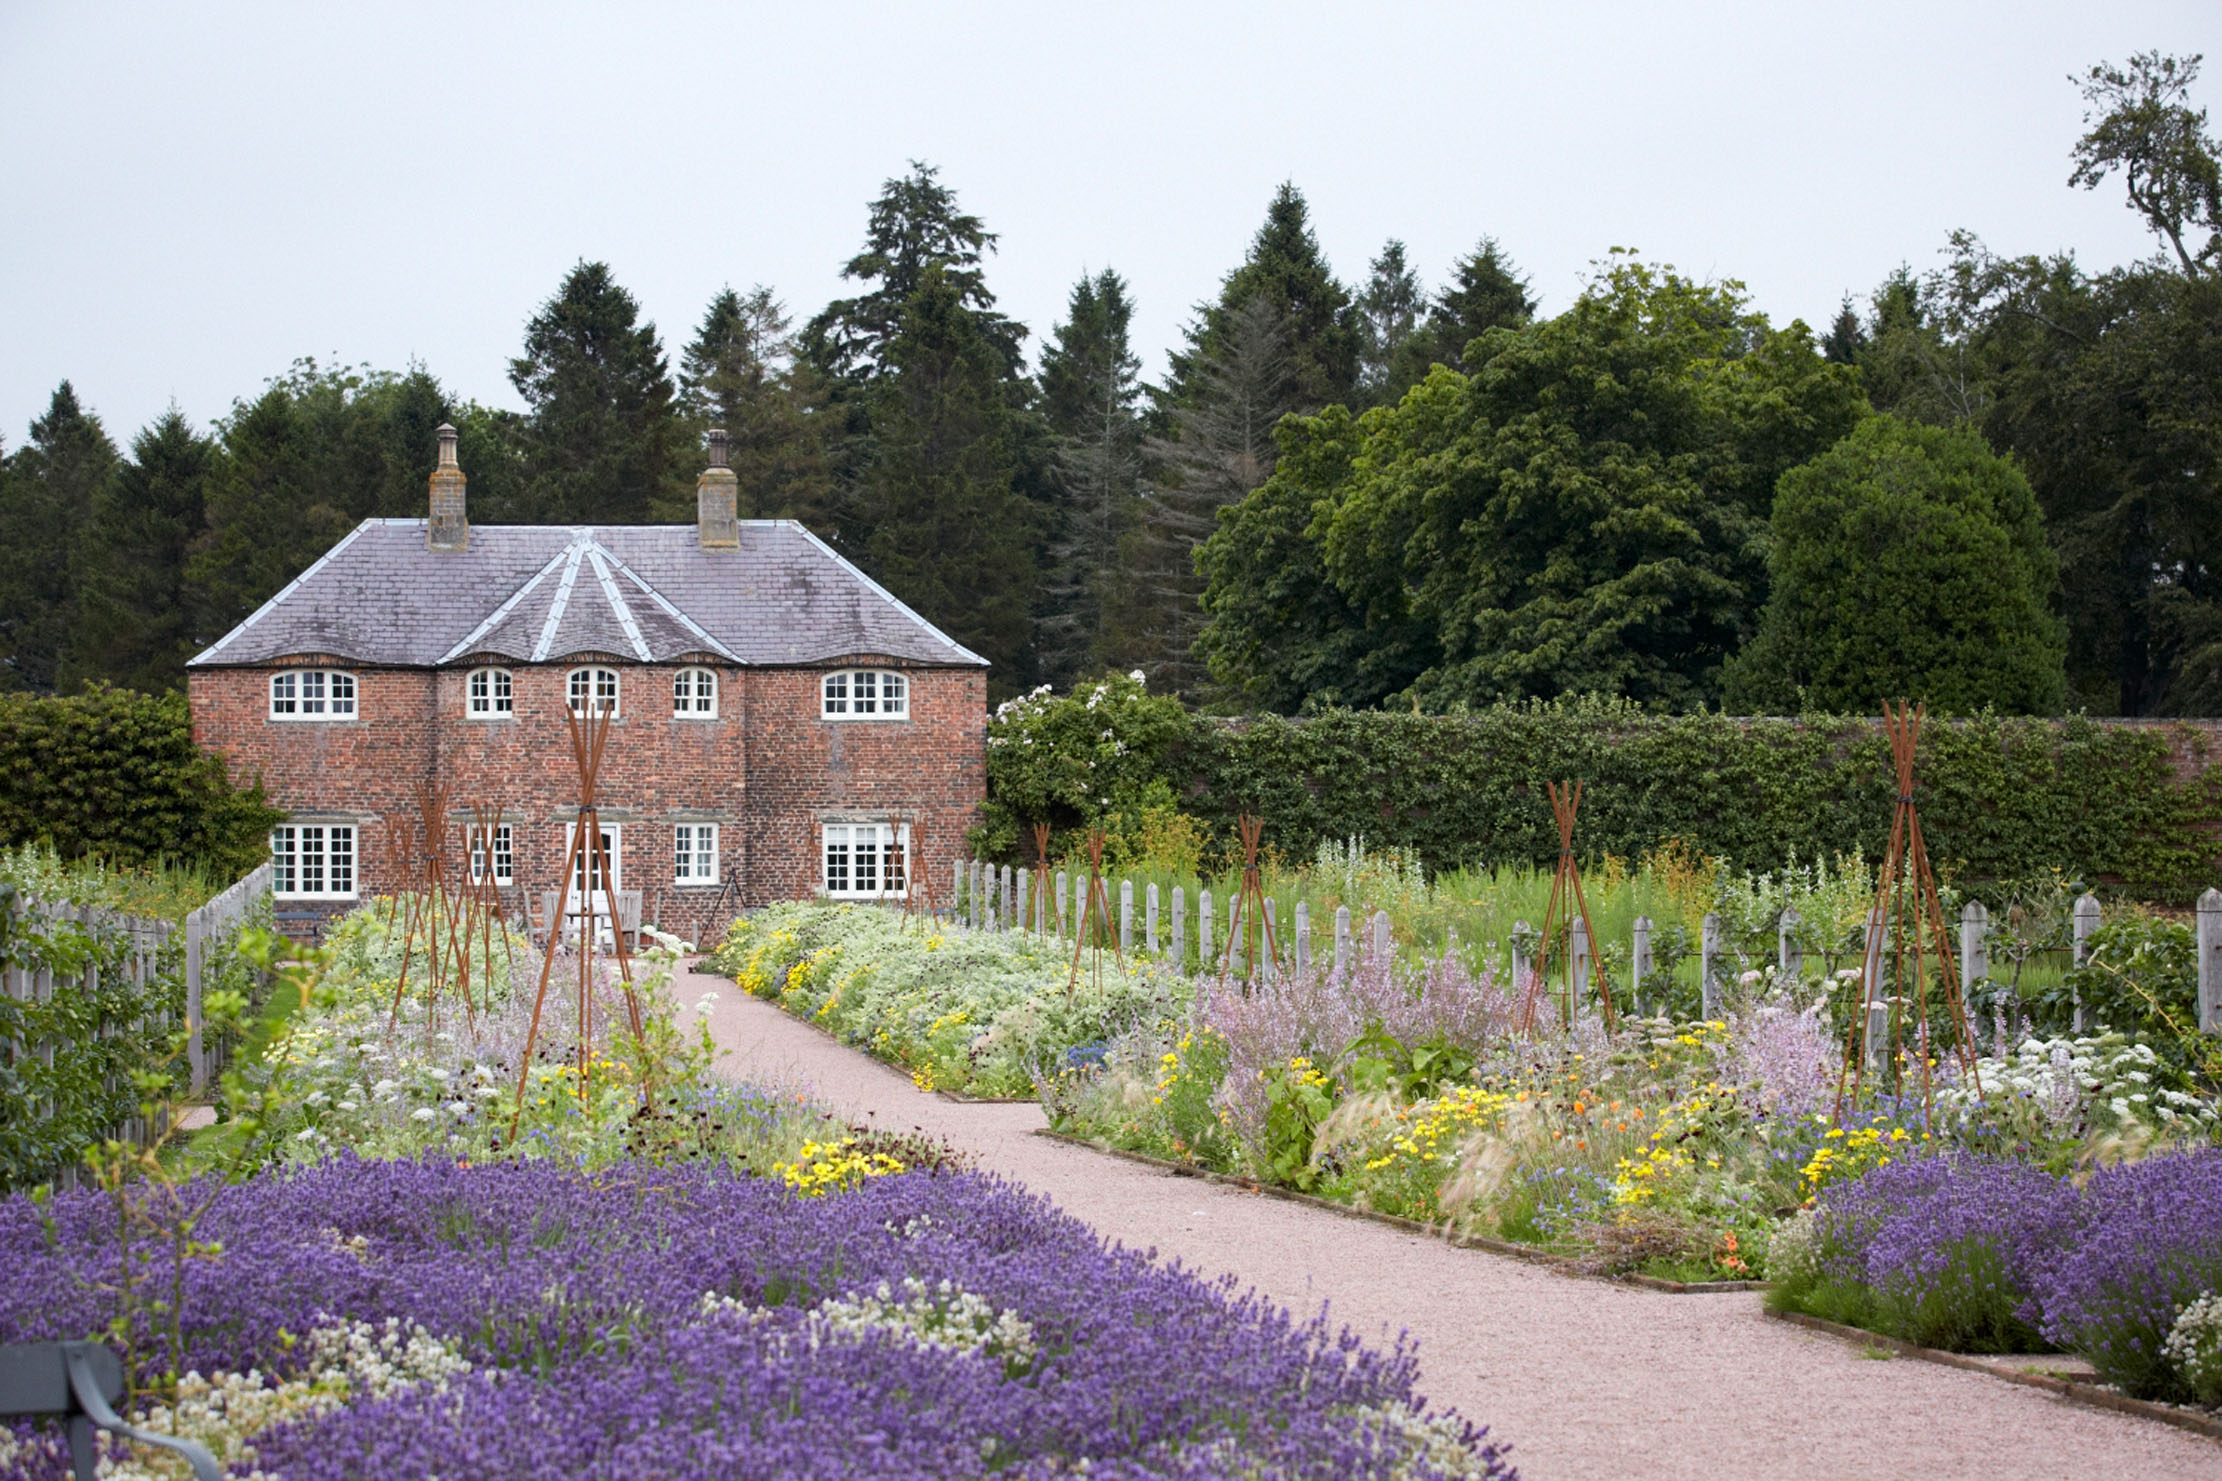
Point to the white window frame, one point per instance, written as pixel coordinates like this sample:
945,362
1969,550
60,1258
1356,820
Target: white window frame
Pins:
505,854
314,695
490,694
864,694
689,688
314,861
694,854
593,680
843,863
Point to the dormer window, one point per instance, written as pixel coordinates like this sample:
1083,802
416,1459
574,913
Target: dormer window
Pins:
694,695
312,694
490,695
593,691
865,694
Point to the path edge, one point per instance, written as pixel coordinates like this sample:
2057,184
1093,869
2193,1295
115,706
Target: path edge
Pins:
1555,1263
2091,1395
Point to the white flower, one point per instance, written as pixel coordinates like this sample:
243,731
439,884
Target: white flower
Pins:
1137,676
424,1113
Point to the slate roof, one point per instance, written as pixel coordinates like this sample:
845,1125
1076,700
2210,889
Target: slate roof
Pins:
541,593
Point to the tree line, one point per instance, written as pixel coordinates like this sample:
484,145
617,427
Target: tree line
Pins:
1991,484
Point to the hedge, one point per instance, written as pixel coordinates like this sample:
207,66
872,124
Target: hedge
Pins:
2001,799
115,774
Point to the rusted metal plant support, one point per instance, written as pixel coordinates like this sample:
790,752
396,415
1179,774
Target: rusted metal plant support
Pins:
1249,906
1907,917
1568,904
588,861
1095,914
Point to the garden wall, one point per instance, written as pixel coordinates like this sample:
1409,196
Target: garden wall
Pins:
2131,806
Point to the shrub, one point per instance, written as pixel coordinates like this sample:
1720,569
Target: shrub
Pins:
2148,1244
116,774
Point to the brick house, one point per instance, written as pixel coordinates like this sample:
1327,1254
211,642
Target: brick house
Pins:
782,725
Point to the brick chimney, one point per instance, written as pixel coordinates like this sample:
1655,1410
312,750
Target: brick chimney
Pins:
448,529
716,500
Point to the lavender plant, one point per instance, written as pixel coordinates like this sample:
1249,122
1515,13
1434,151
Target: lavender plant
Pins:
686,1322
2148,1243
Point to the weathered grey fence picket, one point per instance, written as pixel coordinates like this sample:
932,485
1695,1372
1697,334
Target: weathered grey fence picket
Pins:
213,922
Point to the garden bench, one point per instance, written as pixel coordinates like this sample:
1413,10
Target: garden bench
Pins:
312,919
79,1381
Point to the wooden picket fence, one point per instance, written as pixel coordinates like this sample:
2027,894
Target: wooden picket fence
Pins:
147,943
988,897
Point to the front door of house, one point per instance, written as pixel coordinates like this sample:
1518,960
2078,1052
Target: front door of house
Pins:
587,884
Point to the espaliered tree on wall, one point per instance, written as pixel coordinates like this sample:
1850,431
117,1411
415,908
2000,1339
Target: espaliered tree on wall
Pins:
2001,798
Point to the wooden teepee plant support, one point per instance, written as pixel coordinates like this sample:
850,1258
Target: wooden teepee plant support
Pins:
1095,918
1249,918
1567,905
426,902
588,861
1040,922
1905,928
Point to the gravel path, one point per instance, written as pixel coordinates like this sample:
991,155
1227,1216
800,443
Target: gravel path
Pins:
1584,1378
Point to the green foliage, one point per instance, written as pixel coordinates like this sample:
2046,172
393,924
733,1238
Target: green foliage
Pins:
46,488
938,519
1907,561
134,623
1286,269
80,1059
740,373
2001,799
117,775
602,439
1074,761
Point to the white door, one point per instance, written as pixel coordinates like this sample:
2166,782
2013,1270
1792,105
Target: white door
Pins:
587,885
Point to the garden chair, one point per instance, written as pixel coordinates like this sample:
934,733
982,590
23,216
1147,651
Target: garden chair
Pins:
628,918
79,1382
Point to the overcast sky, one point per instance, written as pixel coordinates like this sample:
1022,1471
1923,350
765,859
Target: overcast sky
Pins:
194,196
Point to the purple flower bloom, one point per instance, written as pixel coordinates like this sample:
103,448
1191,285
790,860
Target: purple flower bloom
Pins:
580,1298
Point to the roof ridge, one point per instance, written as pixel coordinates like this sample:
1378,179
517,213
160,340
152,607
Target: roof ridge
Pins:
283,592
885,595
494,618
616,599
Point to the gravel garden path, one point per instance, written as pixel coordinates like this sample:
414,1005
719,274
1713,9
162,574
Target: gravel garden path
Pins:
1586,1379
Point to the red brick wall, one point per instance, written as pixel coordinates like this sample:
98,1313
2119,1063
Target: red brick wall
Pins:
768,769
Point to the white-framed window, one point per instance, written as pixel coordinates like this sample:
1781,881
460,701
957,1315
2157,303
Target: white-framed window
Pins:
503,859
491,694
867,859
694,849
312,694
595,687
313,860
694,694
865,694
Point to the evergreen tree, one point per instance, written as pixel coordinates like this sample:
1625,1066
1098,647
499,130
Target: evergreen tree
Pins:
1908,562
1847,337
1389,312
940,523
53,481
269,514
915,228
1221,448
1090,403
1319,325
1485,292
602,440
740,373
134,622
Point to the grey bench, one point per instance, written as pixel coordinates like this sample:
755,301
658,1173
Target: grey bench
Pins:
79,1382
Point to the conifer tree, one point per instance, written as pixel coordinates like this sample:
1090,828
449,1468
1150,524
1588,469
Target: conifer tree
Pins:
915,227
134,625
1221,448
52,482
602,441
1286,268
1389,313
740,373
269,514
937,519
1091,403
1485,292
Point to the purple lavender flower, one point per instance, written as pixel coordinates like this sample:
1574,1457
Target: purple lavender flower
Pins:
580,1298
2149,1242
